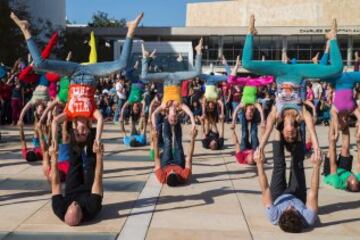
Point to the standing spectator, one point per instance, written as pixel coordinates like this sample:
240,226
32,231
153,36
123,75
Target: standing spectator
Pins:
226,97
197,111
17,97
196,90
309,92
317,90
235,98
185,92
105,105
5,98
272,90
121,96
357,62
185,97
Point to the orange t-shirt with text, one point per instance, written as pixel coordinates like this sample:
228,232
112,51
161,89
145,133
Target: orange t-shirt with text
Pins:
81,101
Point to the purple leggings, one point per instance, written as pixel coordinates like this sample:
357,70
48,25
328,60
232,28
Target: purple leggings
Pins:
344,101
15,109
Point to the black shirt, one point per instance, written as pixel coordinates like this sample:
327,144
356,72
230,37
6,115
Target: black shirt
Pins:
210,137
90,204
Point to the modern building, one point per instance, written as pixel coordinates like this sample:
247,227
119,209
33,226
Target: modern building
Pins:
295,27
53,11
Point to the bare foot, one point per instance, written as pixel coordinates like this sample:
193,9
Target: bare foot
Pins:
238,62
334,25
22,24
152,54
315,59
198,47
132,25
252,28
332,34
144,52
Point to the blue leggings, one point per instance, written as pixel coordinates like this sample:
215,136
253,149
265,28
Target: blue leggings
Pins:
80,74
173,79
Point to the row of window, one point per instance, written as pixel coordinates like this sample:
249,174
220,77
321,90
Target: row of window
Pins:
303,48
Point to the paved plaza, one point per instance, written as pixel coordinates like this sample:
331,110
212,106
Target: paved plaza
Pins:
223,200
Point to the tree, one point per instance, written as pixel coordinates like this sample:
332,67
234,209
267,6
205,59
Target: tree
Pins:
12,41
102,19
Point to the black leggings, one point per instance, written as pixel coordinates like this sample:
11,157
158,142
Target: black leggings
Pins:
82,167
297,182
342,162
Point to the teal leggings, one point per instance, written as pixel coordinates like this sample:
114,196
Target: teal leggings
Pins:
294,73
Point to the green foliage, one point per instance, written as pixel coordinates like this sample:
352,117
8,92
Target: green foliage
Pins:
12,43
102,19
13,46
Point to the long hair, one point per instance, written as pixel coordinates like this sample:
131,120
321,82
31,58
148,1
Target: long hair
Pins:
212,116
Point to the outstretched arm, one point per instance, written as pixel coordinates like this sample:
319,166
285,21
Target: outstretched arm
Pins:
188,112
236,110
222,109
261,111
55,179
54,129
46,164
310,125
24,110
154,136
313,195
126,105
99,125
151,109
154,114
312,106
188,161
49,108
235,140
335,122
22,135
203,107
332,149
263,181
269,127
222,127
97,187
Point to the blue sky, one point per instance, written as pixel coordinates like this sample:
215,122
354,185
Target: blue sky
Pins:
157,12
